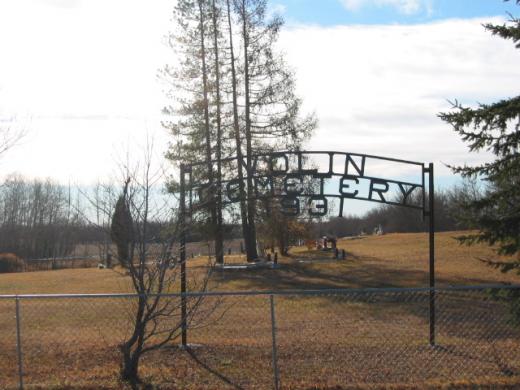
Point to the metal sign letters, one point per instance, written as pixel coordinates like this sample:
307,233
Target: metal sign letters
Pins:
301,187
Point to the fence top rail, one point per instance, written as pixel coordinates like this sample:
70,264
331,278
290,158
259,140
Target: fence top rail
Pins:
349,291
309,152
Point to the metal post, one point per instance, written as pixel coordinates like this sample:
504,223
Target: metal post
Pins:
19,343
276,375
184,336
431,229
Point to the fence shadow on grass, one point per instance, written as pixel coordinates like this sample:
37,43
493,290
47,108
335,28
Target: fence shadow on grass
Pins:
356,272
191,352
457,310
493,358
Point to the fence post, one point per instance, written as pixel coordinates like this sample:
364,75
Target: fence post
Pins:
19,343
184,331
275,355
431,231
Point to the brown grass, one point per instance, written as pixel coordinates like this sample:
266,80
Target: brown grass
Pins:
392,260
325,342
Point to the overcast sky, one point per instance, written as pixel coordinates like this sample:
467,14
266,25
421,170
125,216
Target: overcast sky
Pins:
80,77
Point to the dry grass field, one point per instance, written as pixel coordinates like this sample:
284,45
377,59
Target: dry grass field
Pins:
333,341
392,260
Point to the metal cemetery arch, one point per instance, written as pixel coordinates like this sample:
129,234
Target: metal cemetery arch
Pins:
281,175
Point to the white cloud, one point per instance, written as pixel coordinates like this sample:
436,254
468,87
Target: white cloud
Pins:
403,6
61,3
378,89
97,58
86,75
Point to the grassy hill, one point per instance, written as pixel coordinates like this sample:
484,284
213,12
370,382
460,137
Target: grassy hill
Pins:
392,260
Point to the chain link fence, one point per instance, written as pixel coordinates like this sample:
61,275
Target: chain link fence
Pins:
257,340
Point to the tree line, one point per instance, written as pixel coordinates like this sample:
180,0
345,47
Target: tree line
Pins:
38,218
448,210
43,219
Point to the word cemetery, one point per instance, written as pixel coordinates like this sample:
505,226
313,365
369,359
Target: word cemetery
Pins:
300,187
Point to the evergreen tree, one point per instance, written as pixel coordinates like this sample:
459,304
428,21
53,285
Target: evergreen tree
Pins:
235,97
193,124
271,110
122,229
496,128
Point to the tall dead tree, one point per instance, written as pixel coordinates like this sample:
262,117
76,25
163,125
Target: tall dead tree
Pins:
271,111
248,238
192,117
219,247
210,198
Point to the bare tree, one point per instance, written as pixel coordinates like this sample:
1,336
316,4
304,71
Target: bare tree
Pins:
215,18
9,136
37,218
156,318
236,131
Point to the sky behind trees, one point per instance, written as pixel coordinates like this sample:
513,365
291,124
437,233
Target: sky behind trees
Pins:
81,77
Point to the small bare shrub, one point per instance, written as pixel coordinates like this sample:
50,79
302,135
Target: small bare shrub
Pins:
9,262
